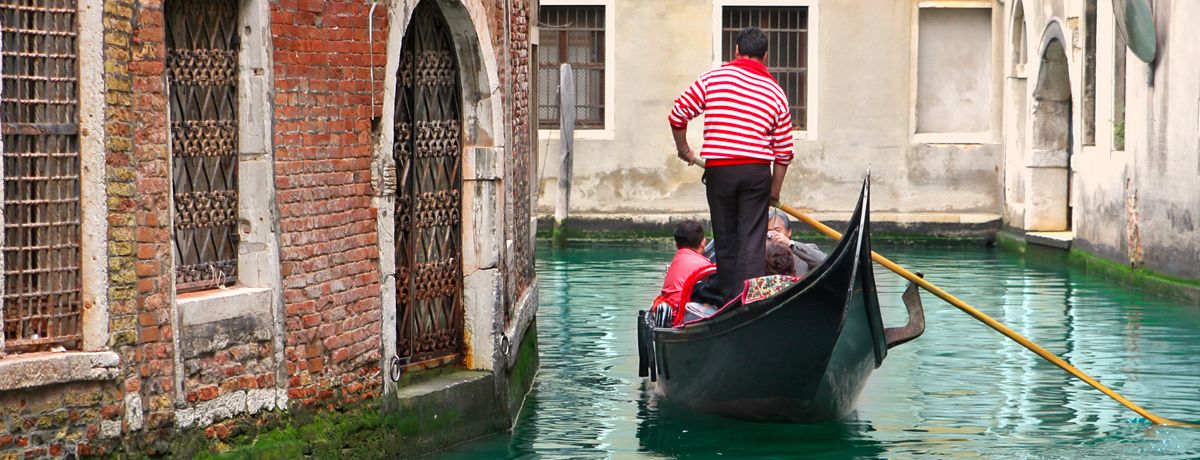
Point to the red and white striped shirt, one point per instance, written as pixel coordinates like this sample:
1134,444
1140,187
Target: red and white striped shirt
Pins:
746,115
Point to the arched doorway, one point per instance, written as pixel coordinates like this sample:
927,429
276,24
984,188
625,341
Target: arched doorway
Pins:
427,150
1048,198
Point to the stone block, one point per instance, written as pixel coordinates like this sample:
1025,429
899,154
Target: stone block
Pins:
1046,200
39,369
481,226
483,163
1048,159
481,303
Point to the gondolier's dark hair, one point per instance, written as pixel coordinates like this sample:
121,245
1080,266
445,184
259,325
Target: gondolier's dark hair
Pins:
752,42
689,234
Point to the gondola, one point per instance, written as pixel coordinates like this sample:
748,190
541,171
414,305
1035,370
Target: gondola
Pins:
802,355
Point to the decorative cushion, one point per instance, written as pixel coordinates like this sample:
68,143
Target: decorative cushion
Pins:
766,286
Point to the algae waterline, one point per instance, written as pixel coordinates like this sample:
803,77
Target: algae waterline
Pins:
960,389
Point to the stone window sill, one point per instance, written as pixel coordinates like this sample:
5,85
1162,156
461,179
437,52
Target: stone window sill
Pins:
30,370
221,304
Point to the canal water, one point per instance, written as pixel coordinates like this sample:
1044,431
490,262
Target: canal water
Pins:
959,390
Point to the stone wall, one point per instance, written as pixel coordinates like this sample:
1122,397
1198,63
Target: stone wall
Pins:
77,418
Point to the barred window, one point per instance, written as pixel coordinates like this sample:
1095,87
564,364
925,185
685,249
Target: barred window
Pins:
786,28
572,35
202,77
39,100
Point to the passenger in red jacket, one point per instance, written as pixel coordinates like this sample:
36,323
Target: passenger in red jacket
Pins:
689,257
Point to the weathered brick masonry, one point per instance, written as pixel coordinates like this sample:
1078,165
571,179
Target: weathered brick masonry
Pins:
323,147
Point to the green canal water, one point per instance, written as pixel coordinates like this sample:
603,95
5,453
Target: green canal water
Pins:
959,390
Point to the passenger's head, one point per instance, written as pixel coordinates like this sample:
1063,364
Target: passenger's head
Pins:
778,221
779,260
751,43
689,234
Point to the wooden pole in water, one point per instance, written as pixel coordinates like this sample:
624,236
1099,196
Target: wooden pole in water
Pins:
992,323
566,125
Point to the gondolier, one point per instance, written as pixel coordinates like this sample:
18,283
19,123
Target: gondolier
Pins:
747,128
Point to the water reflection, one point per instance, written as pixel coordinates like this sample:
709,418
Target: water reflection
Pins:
960,390
671,431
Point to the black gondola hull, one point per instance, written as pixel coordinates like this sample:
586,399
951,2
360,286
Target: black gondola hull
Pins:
803,355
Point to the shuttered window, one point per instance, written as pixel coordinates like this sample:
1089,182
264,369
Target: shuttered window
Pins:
39,100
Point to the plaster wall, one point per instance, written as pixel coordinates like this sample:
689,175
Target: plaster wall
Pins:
1138,205
1164,144
863,65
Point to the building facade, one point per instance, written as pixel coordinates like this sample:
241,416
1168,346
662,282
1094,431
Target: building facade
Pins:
1100,143
976,115
910,90
218,212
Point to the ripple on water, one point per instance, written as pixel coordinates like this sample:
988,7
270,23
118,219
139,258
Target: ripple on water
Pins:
960,390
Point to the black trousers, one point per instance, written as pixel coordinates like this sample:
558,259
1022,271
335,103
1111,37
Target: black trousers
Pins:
738,196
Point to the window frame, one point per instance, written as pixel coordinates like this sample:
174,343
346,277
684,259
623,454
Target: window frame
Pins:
93,360
92,271
812,72
237,112
606,131
995,116
258,247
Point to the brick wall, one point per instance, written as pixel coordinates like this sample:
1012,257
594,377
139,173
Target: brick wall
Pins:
152,232
323,148
122,173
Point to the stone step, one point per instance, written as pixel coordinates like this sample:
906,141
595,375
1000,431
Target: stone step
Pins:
1058,240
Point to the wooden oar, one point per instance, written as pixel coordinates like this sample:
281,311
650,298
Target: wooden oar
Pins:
1001,328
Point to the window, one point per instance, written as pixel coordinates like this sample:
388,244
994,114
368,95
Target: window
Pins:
1118,115
1089,74
1020,51
954,71
202,75
42,307
786,28
571,35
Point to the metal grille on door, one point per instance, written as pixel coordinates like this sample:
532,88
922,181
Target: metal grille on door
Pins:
428,156
202,64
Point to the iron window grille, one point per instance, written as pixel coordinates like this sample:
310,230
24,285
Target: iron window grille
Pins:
202,74
39,101
786,28
572,35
